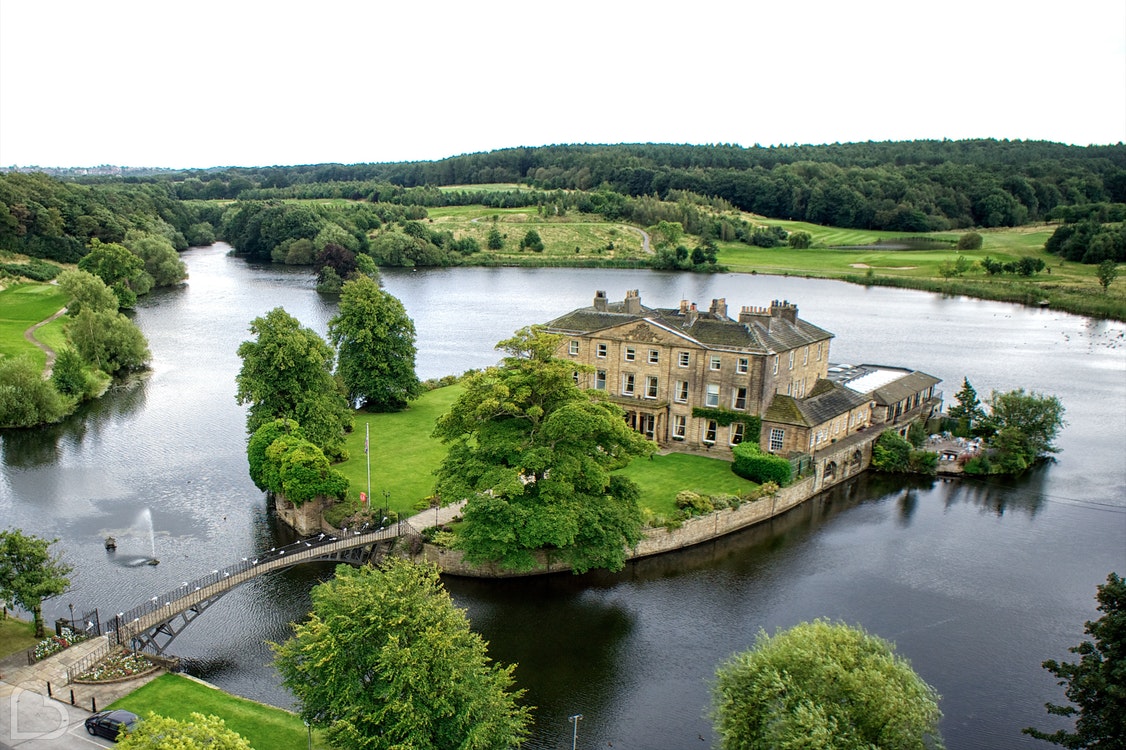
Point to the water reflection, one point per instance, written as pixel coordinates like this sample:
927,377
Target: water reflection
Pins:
977,582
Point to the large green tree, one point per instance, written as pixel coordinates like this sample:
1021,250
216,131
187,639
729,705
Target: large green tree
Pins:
386,661
108,341
287,374
1096,684
968,409
374,338
823,686
1022,427
26,399
120,269
198,733
86,291
160,259
29,574
533,454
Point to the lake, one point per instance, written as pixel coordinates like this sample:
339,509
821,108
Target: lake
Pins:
976,581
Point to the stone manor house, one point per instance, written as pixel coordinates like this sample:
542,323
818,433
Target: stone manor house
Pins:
695,380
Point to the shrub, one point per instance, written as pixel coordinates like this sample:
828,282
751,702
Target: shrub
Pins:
969,241
751,463
693,503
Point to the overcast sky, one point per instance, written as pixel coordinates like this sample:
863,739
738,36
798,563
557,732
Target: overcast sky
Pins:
170,83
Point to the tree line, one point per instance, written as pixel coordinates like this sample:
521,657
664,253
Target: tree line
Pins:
908,186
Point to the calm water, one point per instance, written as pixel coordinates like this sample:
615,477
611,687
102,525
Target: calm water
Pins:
976,582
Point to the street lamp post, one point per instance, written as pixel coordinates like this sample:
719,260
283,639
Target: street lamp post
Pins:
309,727
575,729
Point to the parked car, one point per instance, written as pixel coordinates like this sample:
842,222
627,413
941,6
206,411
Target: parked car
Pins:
112,725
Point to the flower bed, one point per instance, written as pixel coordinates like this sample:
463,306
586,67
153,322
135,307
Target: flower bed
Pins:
56,643
119,665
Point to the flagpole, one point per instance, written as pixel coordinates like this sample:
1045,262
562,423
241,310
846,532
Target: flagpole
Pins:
367,454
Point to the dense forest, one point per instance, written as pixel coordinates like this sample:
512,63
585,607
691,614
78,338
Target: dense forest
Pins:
908,187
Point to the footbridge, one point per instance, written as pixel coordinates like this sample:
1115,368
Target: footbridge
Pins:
155,623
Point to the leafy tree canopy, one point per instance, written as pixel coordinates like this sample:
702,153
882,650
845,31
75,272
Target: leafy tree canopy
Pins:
119,268
26,399
108,341
200,732
287,374
29,574
1096,684
826,686
532,453
375,340
86,291
386,661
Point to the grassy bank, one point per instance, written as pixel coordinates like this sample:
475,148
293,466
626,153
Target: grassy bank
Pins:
1064,285
24,305
16,635
264,727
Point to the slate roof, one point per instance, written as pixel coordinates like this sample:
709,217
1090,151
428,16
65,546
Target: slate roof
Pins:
831,401
762,335
892,384
905,387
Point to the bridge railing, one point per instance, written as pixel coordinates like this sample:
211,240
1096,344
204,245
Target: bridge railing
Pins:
276,557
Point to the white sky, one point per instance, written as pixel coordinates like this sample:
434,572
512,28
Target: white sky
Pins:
171,83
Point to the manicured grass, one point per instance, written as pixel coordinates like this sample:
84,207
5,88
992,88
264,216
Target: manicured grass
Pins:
16,635
1063,284
24,305
668,474
264,727
403,455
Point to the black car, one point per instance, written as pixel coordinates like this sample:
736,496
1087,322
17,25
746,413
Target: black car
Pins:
112,724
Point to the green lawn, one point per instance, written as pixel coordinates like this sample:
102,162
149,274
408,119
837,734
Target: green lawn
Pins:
16,635
264,727
404,457
24,305
666,475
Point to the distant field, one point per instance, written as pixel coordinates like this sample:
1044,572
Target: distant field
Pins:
567,239
1063,278
24,305
496,187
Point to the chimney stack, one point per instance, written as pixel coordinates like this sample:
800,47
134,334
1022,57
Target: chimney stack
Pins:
784,310
633,302
719,307
600,301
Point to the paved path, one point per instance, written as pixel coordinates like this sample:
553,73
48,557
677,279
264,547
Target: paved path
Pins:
31,720
29,334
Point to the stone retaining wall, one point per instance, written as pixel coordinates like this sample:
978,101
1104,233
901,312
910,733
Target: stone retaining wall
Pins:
833,465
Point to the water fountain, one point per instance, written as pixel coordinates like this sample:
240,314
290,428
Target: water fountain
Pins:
141,529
